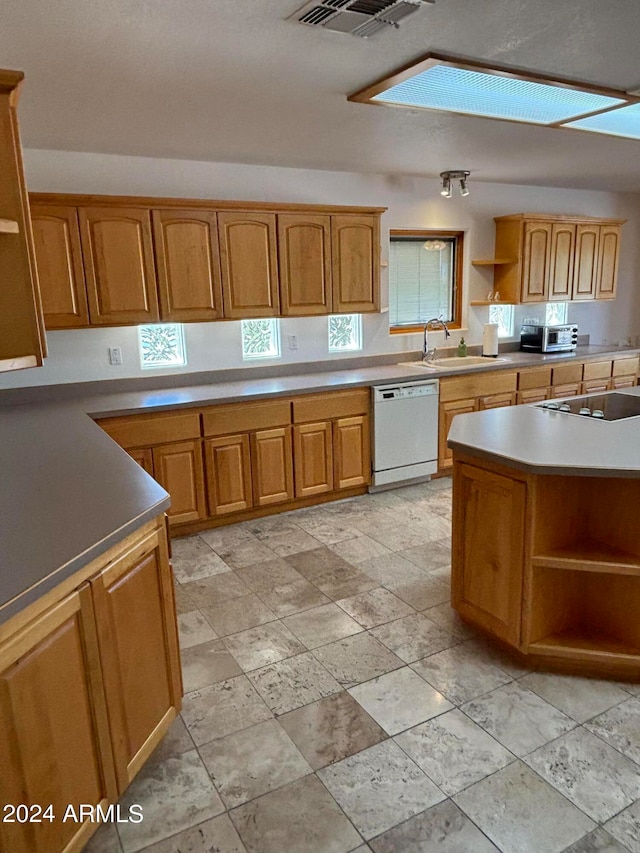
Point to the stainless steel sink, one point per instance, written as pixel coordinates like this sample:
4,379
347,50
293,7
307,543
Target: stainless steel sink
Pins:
456,362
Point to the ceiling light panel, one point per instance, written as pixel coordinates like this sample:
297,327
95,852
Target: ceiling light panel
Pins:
505,96
624,121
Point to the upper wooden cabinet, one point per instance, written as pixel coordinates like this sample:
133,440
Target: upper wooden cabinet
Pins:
56,237
126,260
249,264
356,263
118,258
22,341
188,264
304,253
556,258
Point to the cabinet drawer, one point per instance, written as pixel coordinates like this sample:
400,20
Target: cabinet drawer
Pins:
539,377
626,366
461,387
597,370
146,430
564,374
338,404
243,417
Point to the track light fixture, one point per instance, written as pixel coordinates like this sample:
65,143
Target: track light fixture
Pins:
454,175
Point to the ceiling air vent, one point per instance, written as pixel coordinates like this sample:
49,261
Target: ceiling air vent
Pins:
362,18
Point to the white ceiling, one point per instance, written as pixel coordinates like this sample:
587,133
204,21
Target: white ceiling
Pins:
232,80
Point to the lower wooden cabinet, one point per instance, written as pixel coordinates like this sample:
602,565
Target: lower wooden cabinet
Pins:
179,469
487,561
228,469
352,452
272,466
54,734
313,453
532,395
89,685
448,411
138,641
497,401
570,389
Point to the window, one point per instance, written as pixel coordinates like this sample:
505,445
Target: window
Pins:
345,332
502,314
162,345
261,338
425,278
556,313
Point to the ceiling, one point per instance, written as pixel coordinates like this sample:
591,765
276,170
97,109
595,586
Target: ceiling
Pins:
234,81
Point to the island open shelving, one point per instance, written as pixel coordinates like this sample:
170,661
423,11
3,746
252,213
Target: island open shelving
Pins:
548,563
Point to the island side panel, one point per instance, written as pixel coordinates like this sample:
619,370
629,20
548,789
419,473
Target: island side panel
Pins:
488,556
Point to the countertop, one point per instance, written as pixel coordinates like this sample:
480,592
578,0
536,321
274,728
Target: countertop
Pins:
69,493
543,441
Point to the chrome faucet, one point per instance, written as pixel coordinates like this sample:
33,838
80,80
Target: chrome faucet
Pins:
427,354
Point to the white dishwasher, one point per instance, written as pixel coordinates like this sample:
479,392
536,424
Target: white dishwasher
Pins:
405,431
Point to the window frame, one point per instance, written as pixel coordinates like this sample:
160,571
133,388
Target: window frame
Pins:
458,262
182,347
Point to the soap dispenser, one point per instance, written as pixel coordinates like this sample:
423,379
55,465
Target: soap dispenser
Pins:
462,348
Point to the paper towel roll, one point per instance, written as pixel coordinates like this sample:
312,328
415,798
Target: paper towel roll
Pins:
490,339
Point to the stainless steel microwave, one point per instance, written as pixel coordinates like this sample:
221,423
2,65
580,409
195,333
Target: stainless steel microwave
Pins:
548,338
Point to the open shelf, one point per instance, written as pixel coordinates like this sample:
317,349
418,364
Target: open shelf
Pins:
493,262
9,226
590,557
488,302
584,645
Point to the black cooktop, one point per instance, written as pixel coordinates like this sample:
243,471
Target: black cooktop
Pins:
608,407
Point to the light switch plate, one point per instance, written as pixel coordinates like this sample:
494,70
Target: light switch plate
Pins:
115,355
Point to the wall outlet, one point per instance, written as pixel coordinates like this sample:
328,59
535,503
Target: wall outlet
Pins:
293,342
115,355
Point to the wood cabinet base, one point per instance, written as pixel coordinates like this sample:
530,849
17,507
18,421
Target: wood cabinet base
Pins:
549,565
89,684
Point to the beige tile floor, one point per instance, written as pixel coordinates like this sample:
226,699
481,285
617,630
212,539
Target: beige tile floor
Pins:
335,703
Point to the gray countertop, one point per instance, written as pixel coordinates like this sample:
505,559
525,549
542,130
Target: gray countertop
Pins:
547,442
69,492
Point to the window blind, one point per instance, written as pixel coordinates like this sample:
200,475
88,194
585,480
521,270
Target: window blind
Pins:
421,282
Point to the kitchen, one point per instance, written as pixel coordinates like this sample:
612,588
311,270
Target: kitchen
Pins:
534,172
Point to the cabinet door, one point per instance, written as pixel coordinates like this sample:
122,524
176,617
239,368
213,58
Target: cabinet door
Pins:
272,466
118,262
536,259
144,458
352,452
179,469
228,469
497,401
54,733
188,260
563,240
569,389
596,386
22,342
623,382
249,264
56,238
607,278
488,549
447,413
585,271
355,249
313,458
532,395
138,638
304,253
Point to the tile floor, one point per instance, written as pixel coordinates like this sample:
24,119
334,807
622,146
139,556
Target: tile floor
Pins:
335,703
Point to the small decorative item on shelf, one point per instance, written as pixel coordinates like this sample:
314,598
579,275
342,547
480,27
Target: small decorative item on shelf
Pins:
462,348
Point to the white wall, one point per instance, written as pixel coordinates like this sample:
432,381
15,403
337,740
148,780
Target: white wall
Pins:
412,203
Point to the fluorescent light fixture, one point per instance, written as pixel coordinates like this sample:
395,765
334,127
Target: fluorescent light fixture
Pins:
473,88
624,121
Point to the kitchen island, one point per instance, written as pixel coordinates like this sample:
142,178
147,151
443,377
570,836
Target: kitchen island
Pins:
546,540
